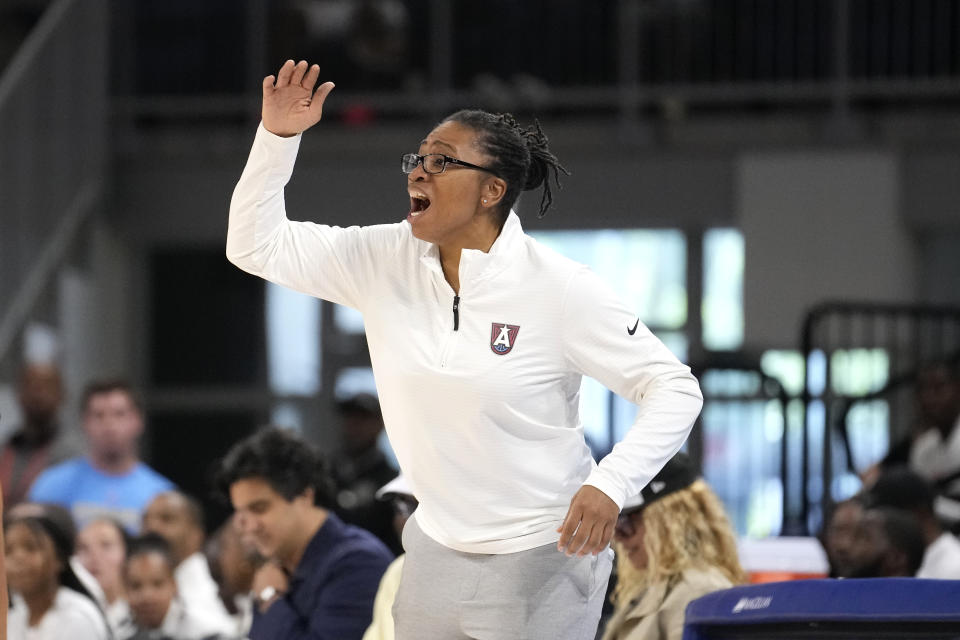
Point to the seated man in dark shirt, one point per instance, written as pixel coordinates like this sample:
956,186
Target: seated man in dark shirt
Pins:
324,575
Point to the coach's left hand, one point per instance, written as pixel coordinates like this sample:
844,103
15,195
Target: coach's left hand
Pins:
589,524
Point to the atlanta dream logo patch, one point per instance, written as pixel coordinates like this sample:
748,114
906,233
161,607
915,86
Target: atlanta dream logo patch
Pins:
503,337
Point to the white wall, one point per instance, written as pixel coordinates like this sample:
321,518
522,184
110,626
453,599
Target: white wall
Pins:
819,225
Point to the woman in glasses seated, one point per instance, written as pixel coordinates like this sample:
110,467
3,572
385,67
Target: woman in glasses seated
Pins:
674,544
478,337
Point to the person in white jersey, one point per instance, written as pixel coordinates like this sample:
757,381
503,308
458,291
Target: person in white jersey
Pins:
478,338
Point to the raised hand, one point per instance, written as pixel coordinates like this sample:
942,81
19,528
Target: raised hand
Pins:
290,105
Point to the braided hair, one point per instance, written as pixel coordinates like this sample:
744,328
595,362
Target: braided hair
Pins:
519,155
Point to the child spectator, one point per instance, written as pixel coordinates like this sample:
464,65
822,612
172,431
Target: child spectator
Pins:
178,519
102,549
47,595
155,607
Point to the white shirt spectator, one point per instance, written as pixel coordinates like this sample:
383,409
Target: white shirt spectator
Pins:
184,624
71,613
119,618
179,623
941,559
201,595
118,613
88,581
935,458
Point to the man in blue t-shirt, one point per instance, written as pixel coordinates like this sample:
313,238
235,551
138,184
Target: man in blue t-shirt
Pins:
111,480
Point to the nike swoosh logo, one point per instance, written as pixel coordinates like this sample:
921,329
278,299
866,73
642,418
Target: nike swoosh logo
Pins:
634,330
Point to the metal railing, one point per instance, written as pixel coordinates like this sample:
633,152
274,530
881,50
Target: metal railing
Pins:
893,341
620,57
741,439
52,157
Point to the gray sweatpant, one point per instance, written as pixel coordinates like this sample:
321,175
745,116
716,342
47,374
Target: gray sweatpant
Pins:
528,595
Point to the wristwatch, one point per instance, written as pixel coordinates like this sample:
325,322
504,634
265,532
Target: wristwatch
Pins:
267,595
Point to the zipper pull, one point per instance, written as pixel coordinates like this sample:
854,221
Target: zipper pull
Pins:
456,313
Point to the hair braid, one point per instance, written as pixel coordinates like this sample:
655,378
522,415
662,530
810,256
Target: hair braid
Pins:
519,155
542,160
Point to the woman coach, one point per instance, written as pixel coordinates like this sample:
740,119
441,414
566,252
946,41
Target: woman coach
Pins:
478,338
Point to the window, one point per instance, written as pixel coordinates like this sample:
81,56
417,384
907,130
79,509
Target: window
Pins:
293,341
647,267
742,433
293,354
722,308
347,319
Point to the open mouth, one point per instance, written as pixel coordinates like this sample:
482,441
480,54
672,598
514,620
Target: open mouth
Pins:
418,204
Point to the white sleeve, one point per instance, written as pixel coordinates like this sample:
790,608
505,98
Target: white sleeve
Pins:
84,624
332,263
636,366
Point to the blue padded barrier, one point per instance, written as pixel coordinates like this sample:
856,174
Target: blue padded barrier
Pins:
868,609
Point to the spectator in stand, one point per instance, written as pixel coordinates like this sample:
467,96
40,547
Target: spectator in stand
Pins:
158,612
233,564
888,544
324,574
47,596
935,453
937,396
57,513
111,480
904,489
178,519
362,468
840,534
102,550
39,441
403,503
674,544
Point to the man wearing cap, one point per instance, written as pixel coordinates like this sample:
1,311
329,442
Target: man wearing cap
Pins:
400,496
362,468
674,544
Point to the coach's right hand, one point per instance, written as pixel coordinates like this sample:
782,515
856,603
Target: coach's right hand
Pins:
290,105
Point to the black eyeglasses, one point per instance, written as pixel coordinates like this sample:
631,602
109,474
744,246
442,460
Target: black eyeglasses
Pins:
434,163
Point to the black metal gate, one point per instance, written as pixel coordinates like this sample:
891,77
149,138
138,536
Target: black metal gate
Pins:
893,340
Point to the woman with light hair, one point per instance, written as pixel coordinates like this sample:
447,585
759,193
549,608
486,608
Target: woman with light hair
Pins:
674,544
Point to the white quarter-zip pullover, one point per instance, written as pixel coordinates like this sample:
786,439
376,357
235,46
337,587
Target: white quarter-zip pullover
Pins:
479,391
